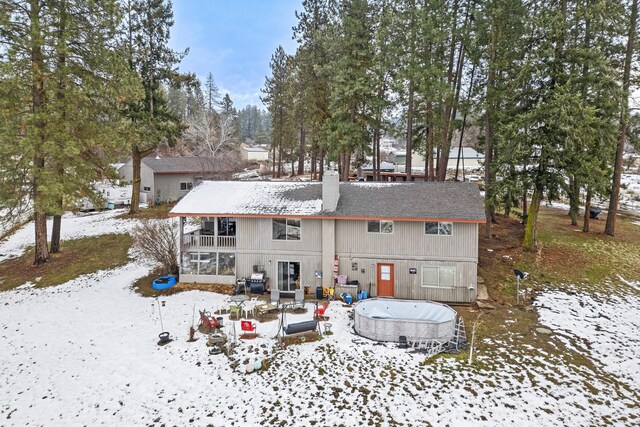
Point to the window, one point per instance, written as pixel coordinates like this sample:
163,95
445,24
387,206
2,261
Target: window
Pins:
209,263
226,264
146,188
438,276
438,228
384,227
286,228
186,186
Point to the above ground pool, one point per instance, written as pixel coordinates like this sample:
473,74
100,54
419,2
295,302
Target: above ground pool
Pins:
389,319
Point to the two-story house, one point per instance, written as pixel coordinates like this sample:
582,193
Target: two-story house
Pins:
414,240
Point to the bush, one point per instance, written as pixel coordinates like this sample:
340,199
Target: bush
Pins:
158,240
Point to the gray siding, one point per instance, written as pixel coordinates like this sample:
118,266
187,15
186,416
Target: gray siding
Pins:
408,239
408,286
146,178
408,247
167,186
255,235
309,264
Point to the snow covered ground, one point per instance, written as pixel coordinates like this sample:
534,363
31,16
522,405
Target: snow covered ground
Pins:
85,353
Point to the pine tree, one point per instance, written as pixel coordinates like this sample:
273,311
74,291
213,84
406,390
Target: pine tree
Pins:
148,25
624,118
61,122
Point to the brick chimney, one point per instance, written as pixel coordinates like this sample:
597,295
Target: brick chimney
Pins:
330,190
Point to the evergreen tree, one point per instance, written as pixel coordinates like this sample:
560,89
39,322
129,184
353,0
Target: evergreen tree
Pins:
148,24
212,94
61,126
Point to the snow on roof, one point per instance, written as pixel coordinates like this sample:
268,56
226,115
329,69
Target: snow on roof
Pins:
255,149
250,198
448,201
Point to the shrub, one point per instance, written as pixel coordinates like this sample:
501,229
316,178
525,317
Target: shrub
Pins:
158,240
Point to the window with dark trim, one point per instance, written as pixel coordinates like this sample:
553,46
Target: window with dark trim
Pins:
186,186
381,226
146,188
286,228
438,228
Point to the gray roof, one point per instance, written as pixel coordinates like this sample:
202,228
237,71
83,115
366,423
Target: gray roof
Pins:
183,165
412,200
454,201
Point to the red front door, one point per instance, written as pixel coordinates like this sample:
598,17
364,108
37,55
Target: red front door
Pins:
385,280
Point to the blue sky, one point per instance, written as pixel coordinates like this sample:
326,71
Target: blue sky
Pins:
234,40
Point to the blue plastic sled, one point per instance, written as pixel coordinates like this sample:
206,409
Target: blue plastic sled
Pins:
164,282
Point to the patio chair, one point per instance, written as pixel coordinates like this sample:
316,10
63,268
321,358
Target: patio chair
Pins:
235,309
275,297
298,298
207,320
250,306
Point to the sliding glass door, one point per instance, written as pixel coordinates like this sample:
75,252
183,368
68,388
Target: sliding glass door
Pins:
288,275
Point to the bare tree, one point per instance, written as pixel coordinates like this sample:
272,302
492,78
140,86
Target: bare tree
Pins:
158,240
212,132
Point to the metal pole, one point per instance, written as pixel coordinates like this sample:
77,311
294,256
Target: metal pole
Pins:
160,314
517,290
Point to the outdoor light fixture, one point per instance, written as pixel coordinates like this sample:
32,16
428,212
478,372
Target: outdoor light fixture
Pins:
519,276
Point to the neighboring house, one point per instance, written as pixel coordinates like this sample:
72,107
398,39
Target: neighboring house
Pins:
170,178
254,154
408,240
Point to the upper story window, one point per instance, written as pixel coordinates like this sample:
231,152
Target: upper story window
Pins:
186,186
382,226
146,188
438,228
286,228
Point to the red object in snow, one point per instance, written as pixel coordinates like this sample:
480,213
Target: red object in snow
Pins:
207,320
247,326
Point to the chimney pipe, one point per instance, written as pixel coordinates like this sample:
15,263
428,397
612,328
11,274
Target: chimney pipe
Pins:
330,190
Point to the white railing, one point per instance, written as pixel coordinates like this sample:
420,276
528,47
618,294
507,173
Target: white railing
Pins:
207,241
226,241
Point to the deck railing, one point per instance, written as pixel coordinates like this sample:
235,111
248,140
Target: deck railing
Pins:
195,240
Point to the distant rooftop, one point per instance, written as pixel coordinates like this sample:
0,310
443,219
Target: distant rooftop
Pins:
182,165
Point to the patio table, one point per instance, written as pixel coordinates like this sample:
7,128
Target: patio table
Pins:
239,300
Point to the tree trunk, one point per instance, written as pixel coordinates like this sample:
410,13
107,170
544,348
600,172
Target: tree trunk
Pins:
409,149
617,169
314,159
321,171
38,104
136,163
531,231
587,208
464,124
524,206
60,66
574,199
375,158
489,117
303,143
55,234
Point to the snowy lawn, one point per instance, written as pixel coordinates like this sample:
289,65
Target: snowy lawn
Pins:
86,353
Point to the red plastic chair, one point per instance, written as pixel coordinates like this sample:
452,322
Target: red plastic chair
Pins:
248,326
319,312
